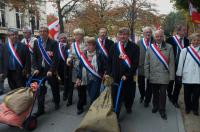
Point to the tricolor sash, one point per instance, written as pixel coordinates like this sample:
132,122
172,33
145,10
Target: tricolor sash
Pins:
178,43
61,52
101,46
14,53
121,49
161,57
194,54
43,52
145,44
29,46
84,60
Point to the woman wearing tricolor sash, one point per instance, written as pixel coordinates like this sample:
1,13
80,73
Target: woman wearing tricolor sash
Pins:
91,70
74,61
188,73
159,69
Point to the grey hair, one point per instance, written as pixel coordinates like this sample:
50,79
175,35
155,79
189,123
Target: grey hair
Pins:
79,31
147,28
62,35
44,27
193,36
27,29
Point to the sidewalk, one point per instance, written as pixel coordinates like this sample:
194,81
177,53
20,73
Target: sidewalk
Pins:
141,119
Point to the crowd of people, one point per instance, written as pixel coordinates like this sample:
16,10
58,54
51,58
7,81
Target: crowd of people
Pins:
160,66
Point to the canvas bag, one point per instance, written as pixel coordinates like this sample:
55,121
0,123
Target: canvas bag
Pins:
19,100
100,117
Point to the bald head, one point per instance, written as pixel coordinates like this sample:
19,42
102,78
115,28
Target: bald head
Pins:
159,36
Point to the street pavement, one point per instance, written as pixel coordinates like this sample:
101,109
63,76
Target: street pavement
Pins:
140,120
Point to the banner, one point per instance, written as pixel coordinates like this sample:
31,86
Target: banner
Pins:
54,29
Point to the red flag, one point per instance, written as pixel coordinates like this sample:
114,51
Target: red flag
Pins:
54,29
195,15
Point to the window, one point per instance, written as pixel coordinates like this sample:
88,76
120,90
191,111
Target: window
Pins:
2,15
19,18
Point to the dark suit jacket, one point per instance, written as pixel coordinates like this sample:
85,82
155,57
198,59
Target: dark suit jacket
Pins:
1,58
117,68
171,41
108,45
24,55
51,45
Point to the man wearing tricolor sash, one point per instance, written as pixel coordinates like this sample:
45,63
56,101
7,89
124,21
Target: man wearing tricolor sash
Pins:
124,62
62,68
16,59
144,45
178,41
159,69
188,73
44,64
73,60
103,47
29,40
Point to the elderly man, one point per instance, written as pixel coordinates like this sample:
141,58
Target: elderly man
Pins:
16,58
178,41
144,45
159,69
44,65
29,40
124,62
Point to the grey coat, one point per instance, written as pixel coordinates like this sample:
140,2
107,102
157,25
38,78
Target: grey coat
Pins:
155,70
142,58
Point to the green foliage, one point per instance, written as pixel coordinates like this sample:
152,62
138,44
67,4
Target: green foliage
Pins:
183,4
172,20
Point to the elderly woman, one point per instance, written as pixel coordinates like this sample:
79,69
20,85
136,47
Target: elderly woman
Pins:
74,61
189,72
86,76
159,69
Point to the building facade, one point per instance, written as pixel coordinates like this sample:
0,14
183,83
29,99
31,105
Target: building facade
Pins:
12,18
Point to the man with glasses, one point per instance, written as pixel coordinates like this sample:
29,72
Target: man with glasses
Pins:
17,60
44,65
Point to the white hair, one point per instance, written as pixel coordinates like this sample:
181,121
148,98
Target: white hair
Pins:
146,28
79,31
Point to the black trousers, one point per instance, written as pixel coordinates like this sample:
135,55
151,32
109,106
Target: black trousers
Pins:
82,97
16,79
174,89
191,96
53,82
68,84
159,96
127,94
141,86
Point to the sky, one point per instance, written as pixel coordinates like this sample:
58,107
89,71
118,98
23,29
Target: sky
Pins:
163,6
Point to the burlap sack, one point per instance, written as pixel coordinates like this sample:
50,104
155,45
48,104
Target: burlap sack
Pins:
19,100
100,117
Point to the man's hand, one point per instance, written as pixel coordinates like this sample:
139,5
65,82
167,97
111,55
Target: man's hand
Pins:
49,74
36,72
124,78
78,83
68,62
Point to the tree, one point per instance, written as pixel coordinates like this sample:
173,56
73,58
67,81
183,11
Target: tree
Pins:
133,8
184,4
173,19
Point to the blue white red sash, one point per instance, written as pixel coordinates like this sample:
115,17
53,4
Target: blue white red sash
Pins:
126,59
43,52
61,52
145,44
161,57
194,54
29,46
14,53
101,46
84,60
178,43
